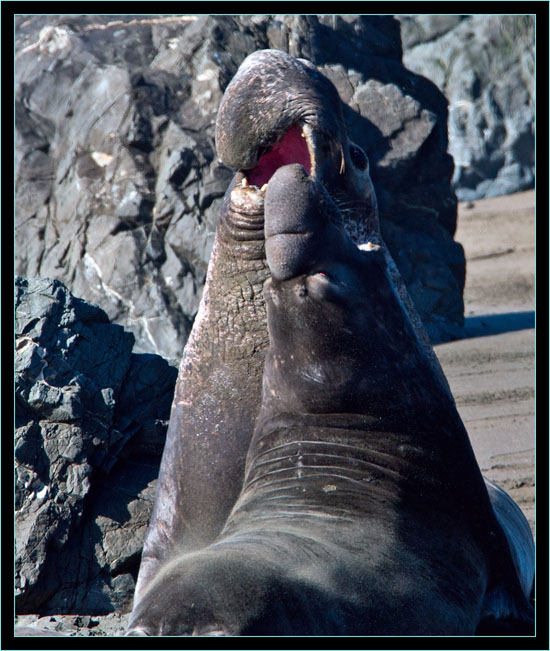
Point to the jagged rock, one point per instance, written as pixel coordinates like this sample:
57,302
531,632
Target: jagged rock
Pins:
485,66
90,423
118,186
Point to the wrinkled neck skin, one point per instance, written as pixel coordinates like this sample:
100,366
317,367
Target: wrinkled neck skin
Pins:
233,303
217,392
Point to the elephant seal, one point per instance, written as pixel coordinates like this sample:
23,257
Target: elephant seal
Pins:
277,110
363,510
297,116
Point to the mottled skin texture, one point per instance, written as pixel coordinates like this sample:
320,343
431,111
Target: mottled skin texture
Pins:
363,510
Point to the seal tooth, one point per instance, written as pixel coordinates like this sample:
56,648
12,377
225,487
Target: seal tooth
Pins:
264,187
244,182
342,160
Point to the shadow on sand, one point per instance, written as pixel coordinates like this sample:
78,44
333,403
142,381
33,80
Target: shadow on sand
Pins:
495,324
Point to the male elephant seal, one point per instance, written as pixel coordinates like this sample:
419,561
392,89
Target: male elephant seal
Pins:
277,110
363,510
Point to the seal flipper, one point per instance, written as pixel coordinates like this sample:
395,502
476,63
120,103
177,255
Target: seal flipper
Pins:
506,611
506,608
518,534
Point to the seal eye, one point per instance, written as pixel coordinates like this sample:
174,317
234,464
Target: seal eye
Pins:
358,157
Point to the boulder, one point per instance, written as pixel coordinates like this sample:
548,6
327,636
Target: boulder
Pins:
118,186
91,418
485,66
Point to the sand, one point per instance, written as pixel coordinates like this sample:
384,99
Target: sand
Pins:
492,370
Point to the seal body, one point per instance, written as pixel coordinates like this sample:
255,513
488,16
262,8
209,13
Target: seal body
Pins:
277,110
363,510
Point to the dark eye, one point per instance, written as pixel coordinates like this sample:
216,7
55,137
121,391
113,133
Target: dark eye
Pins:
358,157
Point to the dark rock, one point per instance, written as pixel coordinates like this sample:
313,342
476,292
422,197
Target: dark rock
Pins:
118,186
91,418
485,66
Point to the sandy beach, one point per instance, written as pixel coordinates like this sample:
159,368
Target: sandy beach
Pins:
492,370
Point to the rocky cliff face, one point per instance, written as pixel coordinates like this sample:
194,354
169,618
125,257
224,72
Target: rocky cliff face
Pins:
118,186
485,66
91,419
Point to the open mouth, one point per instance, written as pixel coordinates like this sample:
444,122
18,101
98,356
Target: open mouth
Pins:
293,147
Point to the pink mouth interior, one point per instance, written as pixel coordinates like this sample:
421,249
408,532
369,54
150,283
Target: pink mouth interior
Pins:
292,148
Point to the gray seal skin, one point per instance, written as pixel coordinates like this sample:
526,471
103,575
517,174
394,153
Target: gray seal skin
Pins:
218,390
363,510
277,110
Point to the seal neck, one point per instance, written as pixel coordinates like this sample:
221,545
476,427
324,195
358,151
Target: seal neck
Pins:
241,229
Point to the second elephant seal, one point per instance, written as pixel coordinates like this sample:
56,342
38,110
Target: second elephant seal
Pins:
363,510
